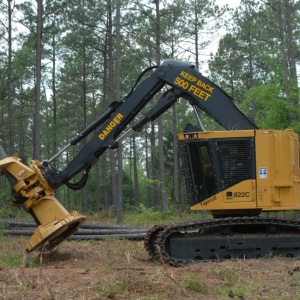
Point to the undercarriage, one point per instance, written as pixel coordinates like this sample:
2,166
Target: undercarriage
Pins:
226,238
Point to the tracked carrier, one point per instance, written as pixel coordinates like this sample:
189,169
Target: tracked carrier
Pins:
237,174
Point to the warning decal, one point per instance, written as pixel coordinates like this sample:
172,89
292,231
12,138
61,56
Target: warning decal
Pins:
262,172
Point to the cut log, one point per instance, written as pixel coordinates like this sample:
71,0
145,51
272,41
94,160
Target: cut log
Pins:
112,236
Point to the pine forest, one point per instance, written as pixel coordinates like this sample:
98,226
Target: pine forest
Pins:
62,63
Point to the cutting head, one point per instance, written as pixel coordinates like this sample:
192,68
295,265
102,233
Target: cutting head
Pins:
48,236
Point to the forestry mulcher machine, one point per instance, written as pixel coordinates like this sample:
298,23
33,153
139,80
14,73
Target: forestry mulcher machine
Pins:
237,174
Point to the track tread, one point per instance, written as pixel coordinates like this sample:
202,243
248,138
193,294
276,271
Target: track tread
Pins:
160,245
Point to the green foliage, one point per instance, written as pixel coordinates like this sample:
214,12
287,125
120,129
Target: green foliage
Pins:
14,257
254,67
233,284
226,66
7,211
114,287
271,109
193,283
11,261
149,216
295,281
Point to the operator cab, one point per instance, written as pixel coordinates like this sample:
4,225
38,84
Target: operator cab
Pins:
212,164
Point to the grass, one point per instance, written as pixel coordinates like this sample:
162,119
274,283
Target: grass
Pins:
192,283
148,216
12,254
14,261
233,285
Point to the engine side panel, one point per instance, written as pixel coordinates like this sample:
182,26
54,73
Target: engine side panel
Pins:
277,167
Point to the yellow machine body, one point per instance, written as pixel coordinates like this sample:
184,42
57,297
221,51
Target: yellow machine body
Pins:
273,184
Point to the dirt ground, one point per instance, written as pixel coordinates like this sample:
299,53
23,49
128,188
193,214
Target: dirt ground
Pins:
120,269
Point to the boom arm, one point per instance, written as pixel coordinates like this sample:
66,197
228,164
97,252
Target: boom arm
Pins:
34,186
185,81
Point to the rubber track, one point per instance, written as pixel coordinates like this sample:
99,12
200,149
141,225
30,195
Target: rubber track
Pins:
157,240
150,240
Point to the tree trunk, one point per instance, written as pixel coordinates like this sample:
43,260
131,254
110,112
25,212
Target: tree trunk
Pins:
196,35
284,60
54,101
9,84
291,43
175,157
111,95
137,197
106,87
85,202
164,197
250,63
154,176
118,96
149,172
37,104
291,58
